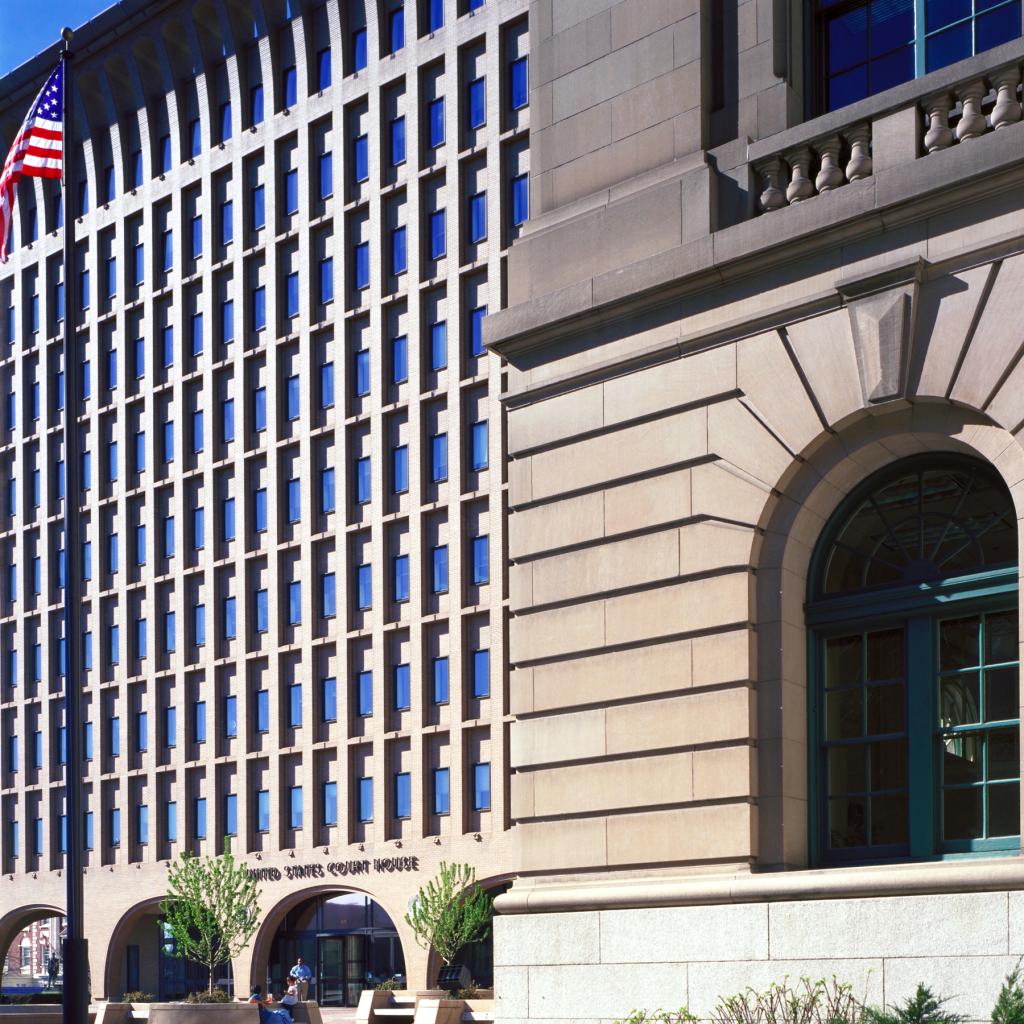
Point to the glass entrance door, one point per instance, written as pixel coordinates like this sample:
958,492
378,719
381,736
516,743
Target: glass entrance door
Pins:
341,969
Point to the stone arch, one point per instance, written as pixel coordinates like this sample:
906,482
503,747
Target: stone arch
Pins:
253,965
12,922
792,520
114,968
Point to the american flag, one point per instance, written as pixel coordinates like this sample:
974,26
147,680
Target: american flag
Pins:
37,152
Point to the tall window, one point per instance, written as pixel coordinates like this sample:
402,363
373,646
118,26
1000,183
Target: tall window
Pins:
866,46
915,720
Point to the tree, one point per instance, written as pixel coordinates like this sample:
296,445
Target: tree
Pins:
211,908
450,912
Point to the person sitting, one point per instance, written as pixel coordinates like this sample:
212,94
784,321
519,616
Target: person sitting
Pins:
268,1016
291,997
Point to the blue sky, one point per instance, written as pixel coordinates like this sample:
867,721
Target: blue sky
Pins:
29,28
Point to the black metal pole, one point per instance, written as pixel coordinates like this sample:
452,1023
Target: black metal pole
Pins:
75,995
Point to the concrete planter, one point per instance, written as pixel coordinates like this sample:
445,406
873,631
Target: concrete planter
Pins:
201,1013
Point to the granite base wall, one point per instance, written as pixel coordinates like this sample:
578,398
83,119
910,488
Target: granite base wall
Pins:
594,967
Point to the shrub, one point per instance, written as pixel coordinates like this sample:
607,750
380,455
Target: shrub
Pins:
923,1007
391,985
1009,1008
139,997
680,1016
218,995
810,1002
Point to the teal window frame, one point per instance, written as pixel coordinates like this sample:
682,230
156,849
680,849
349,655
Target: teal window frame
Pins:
919,608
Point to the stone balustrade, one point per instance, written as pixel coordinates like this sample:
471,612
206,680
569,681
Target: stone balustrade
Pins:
972,108
815,168
962,110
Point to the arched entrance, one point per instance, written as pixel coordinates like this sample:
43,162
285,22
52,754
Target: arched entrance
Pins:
141,958
348,940
30,940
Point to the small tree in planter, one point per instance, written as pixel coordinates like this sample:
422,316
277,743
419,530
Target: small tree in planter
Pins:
450,912
211,908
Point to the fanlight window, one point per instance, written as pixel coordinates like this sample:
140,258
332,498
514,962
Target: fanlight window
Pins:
924,525
915,721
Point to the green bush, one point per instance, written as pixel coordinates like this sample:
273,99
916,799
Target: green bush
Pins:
391,985
923,1007
809,1002
1009,1008
139,997
218,995
680,1016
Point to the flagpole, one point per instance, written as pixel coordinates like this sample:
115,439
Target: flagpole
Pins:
75,994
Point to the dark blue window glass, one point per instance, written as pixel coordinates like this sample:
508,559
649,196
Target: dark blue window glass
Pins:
229,518
263,810
364,587
197,237
291,294
440,669
329,699
481,673
435,123
327,490
362,374
294,500
481,787
398,251
292,397
195,138
401,688
330,803
165,154
256,105
199,721
259,308
295,705
435,15
361,267
167,345
476,103
328,603
520,199
363,486
227,321
361,158
519,84
476,330
478,217
364,694
399,359
291,192
197,334
359,49
168,536
295,807
365,799
230,716
259,409
403,795
198,528
480,559
289,86
140,357
398,141
230,623
294,603
227,222
225,122
136,169
263,711
199,625
230,814
259,212
323,69
439,458
396,29
439,569
197,431
326,175
438,240
439,345
400,585
326,385
259,507
478,446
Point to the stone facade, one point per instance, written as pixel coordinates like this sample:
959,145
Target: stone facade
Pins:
241,153
706,355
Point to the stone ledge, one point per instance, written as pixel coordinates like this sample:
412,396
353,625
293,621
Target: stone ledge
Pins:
1003,874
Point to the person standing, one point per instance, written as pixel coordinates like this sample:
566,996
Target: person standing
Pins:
301,975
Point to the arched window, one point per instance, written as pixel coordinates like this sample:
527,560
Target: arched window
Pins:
912,610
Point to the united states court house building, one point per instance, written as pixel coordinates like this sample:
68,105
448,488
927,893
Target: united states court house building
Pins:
573,437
